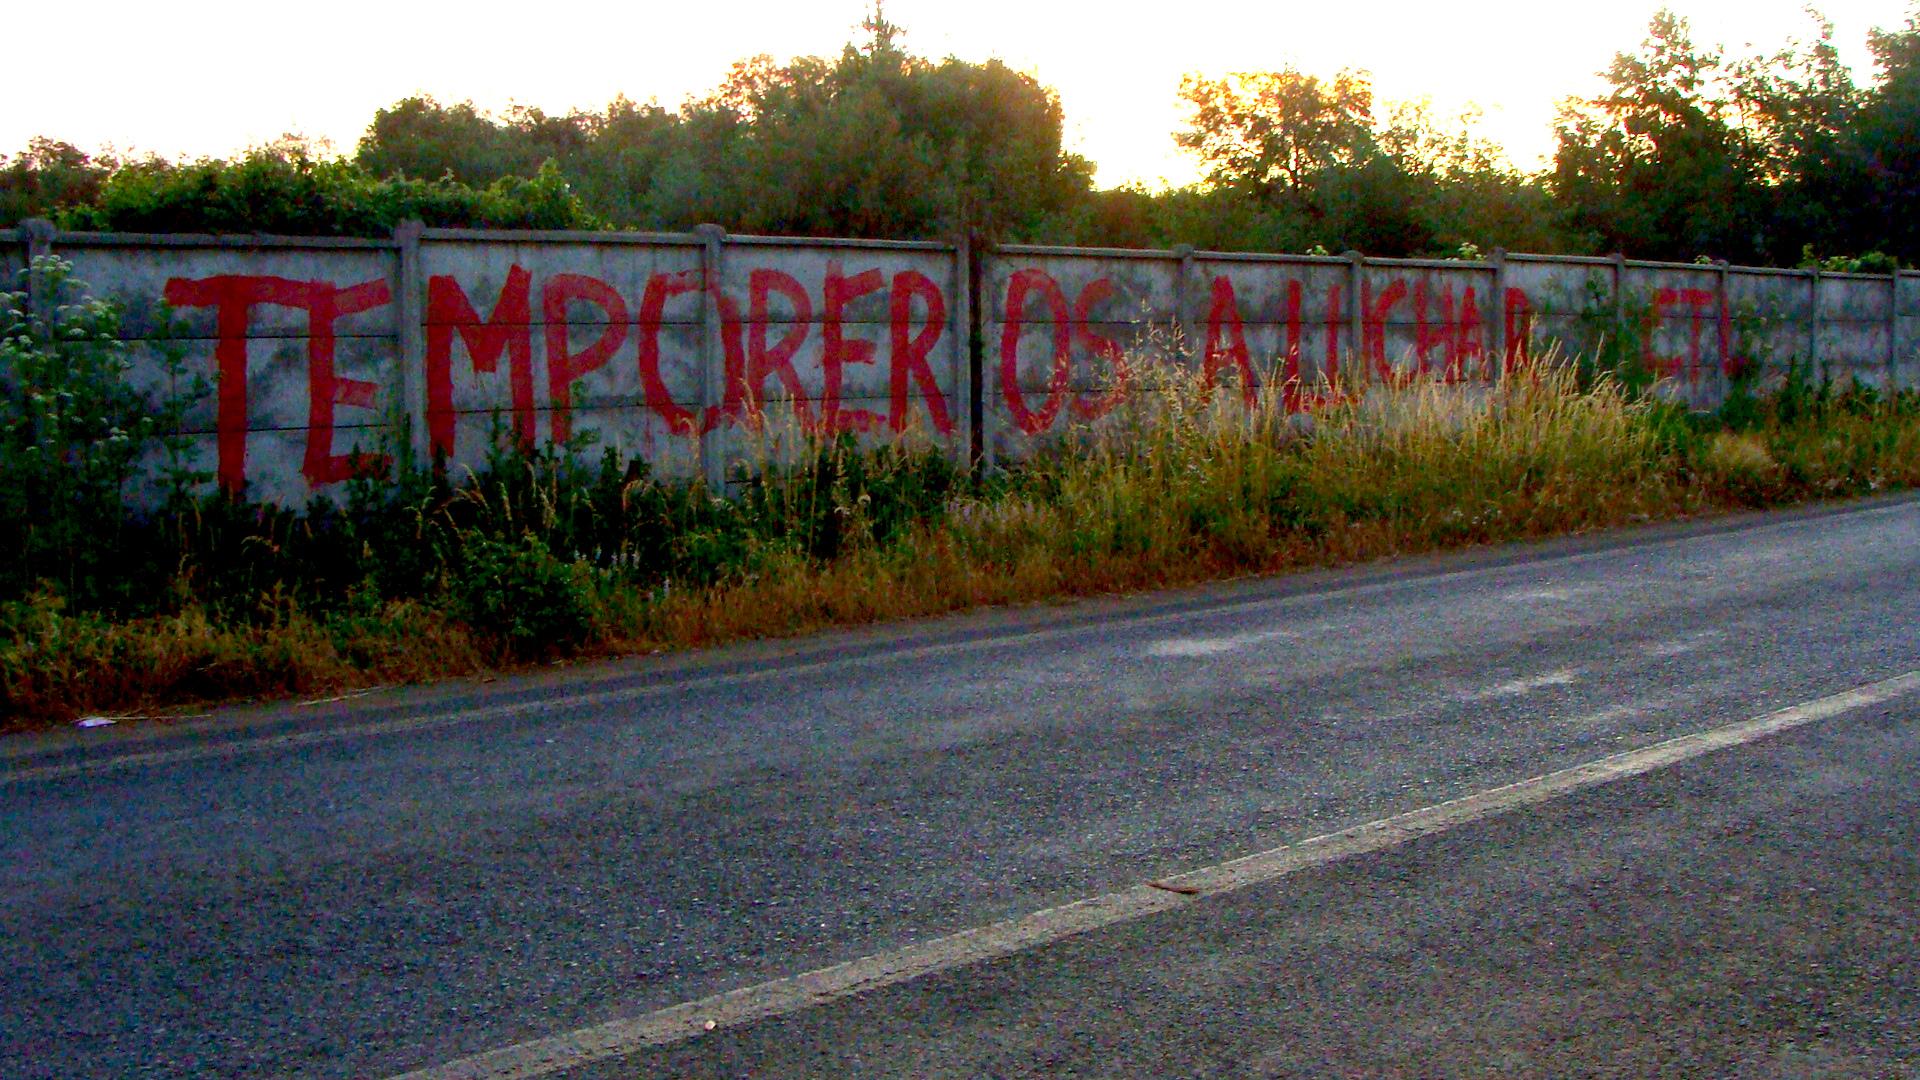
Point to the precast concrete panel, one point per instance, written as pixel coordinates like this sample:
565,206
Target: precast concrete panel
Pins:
531,339
1293,317
1769,315
1565,288
1560,309
283,354
1426,320
1905,329
1855,332
1854,298
705,353
629,347
1062,332
181,290
554,275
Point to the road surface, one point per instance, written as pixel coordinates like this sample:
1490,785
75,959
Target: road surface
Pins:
527,877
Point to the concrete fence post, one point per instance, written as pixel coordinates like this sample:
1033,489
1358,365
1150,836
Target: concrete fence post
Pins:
1725,319
1356,329
1893,331
960,442
1620,299
39,234
1497,315
980,376
1813,319
411,341
713,361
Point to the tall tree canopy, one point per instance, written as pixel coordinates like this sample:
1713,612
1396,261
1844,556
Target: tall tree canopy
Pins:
1885,136
1295,161
1776,157
1658,166
874,142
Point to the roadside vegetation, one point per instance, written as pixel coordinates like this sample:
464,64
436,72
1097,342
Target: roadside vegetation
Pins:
543,555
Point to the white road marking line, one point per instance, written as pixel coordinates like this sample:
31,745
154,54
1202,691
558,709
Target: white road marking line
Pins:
1682,645
1550,594
432,721
781,997
348,696
1195,647
1520,687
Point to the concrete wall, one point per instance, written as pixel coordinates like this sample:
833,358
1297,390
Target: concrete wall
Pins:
690,349
326,355
1054,318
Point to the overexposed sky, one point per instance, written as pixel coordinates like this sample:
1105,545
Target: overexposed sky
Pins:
209,77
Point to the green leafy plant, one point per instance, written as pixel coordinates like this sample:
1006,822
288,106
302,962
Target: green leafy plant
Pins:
74,431
518,591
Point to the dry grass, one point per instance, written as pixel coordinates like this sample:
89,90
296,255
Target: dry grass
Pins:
1181,485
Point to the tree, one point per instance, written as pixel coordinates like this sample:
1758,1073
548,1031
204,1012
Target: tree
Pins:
876,142
420,138
1460,187
1887,138
1801,109
1294,161
1657,167
1275,134
879,142
47,177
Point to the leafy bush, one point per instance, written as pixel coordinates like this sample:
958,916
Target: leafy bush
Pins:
518,591
73,432
285,191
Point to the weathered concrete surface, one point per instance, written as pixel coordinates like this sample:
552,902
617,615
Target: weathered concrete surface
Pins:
445,340
360,888
1053,317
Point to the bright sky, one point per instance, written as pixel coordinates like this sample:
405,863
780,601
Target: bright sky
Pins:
199,77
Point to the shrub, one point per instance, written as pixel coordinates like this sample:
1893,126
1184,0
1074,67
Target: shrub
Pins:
73,432
520,593
282,190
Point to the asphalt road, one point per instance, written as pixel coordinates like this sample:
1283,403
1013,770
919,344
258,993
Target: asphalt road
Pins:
369,887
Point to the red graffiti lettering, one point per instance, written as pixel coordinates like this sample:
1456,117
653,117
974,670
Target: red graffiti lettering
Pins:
653,304
1100,346
1519,315
233,297
1290,364
565,367
778,360
838,350
1730,365
733,400
325,388
909,351
1469,342
1373,321
1428,333
1023,282
1336,316
1223,319
1697,302
508,328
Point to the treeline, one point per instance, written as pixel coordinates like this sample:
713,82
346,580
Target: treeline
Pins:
1771,159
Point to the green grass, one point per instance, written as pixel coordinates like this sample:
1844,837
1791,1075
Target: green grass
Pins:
543,557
